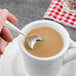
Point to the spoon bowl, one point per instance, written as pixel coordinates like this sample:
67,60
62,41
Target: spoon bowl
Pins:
32,39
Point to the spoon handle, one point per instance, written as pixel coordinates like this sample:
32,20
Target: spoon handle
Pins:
13,27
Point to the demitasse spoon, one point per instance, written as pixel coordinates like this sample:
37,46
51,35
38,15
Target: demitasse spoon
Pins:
31,39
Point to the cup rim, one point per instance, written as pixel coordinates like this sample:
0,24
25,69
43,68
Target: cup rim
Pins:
62,52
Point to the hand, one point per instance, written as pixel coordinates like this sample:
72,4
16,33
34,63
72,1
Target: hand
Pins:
5,35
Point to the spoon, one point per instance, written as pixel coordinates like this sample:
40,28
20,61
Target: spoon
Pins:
31,39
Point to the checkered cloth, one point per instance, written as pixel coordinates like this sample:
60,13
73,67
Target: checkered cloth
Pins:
58,14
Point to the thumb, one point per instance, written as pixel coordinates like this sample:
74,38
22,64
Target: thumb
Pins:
3,17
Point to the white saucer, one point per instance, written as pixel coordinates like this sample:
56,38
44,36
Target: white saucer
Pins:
11,63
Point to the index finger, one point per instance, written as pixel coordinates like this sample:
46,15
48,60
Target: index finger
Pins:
12,18
3,17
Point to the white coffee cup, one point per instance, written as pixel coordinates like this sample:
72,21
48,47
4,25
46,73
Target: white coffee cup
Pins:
50,66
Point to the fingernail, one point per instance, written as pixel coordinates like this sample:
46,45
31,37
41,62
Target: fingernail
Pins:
5,10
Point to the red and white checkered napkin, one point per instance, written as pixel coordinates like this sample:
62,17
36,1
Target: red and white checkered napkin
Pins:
56,13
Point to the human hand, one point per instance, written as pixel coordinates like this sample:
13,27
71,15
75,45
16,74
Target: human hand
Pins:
5,35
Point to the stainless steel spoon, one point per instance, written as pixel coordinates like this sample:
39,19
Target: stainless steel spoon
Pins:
32,39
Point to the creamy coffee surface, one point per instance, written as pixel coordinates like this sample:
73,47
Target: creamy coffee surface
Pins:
52,44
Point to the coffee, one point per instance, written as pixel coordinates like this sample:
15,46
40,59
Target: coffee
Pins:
72,4
52,44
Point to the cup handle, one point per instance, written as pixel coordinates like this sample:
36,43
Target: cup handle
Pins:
72,56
